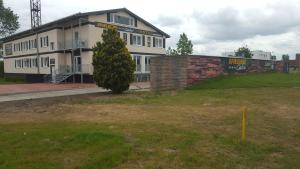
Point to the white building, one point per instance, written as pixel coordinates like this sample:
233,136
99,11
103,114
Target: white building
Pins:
62,49
257,54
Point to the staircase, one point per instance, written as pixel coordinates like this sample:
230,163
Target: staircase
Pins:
60,75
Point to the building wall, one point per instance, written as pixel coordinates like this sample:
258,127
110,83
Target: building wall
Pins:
64,39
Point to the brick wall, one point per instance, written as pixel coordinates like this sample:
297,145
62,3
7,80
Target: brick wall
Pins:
176,72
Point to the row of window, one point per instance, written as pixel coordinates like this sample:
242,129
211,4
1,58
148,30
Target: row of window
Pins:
31,62
123,20
140,40
31,44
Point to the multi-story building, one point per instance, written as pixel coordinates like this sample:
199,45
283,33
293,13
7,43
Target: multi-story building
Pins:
62,49
256,54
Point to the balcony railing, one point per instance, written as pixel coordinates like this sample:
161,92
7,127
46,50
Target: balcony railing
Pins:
74,44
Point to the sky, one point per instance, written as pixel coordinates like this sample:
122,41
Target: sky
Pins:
214,26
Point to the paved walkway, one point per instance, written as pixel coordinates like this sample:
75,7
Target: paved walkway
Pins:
67,92
41,87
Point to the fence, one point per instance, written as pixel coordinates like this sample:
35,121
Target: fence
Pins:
173,72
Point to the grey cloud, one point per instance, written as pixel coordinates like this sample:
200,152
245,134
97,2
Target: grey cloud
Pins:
232,24
170,21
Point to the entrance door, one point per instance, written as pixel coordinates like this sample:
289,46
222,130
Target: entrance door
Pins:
77,64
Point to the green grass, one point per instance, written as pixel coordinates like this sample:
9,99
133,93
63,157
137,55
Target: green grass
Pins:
11,81
61,145
250,81
171,129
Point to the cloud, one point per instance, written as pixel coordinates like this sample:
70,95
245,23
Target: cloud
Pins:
231,24
170,21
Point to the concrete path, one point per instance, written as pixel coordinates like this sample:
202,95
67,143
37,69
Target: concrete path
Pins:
71,92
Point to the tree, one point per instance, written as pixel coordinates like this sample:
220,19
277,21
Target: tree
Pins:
244,52
285,58
172,52
8,21
113,65
184,45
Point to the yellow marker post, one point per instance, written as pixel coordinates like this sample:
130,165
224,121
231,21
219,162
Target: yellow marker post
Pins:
244,124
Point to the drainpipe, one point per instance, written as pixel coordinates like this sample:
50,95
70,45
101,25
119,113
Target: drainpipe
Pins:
37,53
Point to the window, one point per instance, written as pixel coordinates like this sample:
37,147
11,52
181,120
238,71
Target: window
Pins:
125,38
137,40
44,41
123,20
8,49
34,62
149,41
147,63
137,60
52,46
27,63
44,61
158,43
18,63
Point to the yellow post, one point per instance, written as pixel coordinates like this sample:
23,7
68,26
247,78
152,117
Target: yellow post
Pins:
244,124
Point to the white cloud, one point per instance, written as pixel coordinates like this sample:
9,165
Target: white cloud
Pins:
214,26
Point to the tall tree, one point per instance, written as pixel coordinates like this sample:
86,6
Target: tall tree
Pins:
113,65
285,57
8,21
244,52
184,45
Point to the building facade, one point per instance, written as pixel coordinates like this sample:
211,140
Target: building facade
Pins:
62,50
256,54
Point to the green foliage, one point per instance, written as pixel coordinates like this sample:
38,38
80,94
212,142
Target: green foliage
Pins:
8,21
244,52
1,69
172,52
113,65
285,57
184,45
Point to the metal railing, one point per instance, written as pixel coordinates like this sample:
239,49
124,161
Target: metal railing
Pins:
69,44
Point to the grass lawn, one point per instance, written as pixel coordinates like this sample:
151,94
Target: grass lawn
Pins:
195,128
10,81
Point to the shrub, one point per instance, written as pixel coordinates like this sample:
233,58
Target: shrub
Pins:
113,65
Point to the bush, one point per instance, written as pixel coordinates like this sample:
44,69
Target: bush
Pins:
113,65
1,69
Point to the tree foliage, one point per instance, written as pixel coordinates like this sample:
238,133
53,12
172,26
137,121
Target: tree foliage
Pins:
8,21
172,52
113,65
244,52
285,57
184,45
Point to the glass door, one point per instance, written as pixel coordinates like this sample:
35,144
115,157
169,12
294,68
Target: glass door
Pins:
78,64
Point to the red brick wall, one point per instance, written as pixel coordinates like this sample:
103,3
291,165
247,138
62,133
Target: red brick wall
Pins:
175,72
201,68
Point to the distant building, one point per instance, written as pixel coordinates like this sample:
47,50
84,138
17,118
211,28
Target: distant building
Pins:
295,62
257,54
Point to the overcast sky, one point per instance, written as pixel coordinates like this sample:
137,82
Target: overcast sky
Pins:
214,26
